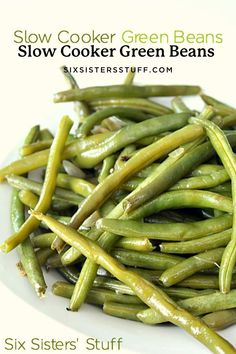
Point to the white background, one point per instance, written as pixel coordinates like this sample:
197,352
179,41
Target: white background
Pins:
27,86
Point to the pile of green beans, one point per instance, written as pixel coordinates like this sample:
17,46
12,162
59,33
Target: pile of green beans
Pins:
135,209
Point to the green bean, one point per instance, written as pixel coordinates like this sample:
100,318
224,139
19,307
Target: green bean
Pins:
220,107
141,104
197,281
159,182
206,169
179,106
167,232
124,156
155,184
76,185
130,76
130,134
97,117
45,135
120,288
227,157
201,281
199,245
151,139
161,169
125,311
220,319
191,265
132,184
44,254
72,254
181,199
40,158
107,240
61,194
71,274
96,296
147,292
43,240
135,244
230,120
120,91
198,306
130,312
32,135
202,182
54,261
147,170
107,165
186,293
35,147
81,108
141,159
28,198
27,256
48,187
150,260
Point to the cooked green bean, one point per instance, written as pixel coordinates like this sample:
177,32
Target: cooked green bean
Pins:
125,311
43,240
147,292
125,91
81,108
71,274
199,245
33,135
107,165
227,157
135,244
60,194
130,76
97,117
45,134
27,255
28,258
201,281
141,104
124,156
44,254
168,232
49,184
220,319
141,159
198,306
191,265
40,158
150,260
183,199
28,149
96,296
206,169
220,107
75,184
202,182
179,106
230,120
129,135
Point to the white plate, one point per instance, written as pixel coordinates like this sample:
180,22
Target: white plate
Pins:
90,320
